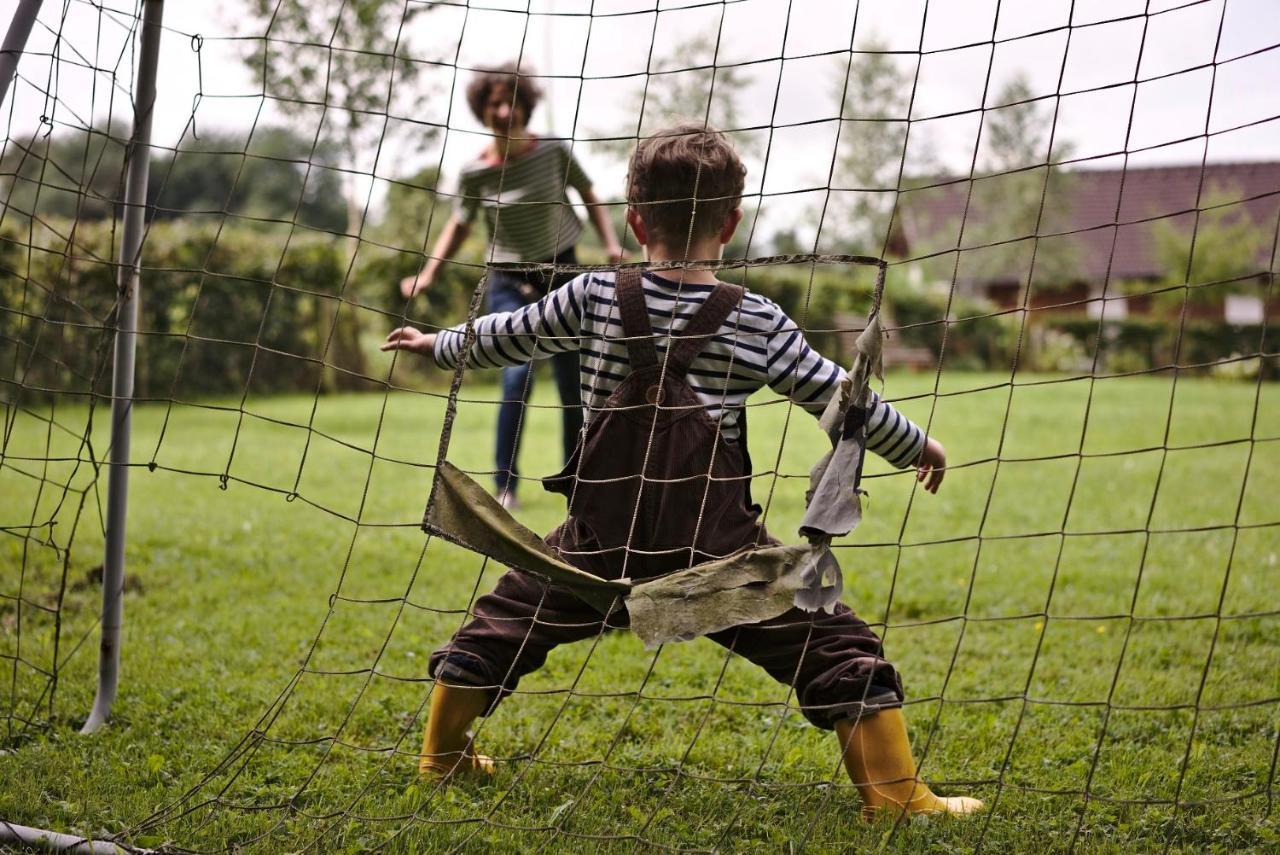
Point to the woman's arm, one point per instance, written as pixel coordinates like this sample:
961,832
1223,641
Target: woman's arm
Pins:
451,238
599,214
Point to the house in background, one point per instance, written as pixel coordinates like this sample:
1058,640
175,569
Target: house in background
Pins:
1118,228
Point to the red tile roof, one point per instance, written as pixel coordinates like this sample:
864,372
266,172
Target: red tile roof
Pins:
1096,200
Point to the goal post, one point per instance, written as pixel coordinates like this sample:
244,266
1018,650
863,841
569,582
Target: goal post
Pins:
137,162
138,166
15,40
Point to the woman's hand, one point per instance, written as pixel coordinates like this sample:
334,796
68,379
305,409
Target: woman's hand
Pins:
615,253
452,236
408,338
932,465
410,286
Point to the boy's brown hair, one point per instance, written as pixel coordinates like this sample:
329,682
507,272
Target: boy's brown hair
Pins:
685,181
518,79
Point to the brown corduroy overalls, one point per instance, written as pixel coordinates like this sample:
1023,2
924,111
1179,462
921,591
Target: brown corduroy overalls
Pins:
655,488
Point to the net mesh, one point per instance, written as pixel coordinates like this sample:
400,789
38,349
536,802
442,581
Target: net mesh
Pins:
1080,230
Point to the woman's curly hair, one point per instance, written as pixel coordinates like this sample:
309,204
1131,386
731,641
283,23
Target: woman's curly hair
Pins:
520,80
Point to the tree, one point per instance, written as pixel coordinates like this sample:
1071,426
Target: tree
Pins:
1019,194
75,173
267,177
683,88
412,218
873,136
351,58
787,242
1228,253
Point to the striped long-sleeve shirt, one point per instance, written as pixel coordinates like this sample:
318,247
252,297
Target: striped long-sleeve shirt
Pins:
756,346
523,201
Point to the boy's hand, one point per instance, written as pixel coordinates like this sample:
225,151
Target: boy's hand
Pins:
932,465
408,338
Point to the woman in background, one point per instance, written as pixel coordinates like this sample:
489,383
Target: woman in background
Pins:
518,183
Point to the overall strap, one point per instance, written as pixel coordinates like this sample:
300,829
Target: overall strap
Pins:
635,319
688,343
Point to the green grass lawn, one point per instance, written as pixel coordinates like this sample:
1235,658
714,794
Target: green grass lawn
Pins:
1090,604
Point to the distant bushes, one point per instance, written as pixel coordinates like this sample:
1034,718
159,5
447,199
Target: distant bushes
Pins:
978,336
224,310
1135,344
821,300
968,333
212,320
257,310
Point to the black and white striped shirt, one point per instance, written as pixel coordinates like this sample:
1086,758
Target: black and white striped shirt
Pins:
524,202
757,345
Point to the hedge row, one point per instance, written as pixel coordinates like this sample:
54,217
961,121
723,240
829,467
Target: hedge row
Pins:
977,337
230,311
222,311
1135,344
206,300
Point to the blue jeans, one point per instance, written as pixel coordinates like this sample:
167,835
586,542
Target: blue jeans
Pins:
505,295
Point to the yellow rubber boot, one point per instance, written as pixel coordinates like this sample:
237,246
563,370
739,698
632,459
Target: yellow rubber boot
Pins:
447,748
877,755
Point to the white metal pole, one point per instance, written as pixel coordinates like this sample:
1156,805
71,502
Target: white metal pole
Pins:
138,158
54,841
15,42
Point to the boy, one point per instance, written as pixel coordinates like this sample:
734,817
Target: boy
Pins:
661,480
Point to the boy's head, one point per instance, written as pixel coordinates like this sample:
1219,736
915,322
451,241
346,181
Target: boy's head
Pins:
503,97
684,186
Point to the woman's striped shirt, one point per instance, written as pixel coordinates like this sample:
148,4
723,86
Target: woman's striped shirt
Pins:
758,345
524,202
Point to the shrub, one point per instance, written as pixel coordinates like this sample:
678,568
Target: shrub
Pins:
976,335
219,311
1135,344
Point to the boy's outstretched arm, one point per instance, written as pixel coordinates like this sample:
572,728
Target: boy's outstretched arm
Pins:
810,379
411,339
536,331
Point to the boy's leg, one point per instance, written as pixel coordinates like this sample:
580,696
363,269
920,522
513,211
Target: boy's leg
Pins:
836,664
515,626
877,756
446,742
834,661
568,381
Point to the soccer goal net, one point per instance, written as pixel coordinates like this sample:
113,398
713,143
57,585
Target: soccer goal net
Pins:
1053,225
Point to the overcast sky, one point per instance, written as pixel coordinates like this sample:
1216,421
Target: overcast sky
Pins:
596,54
